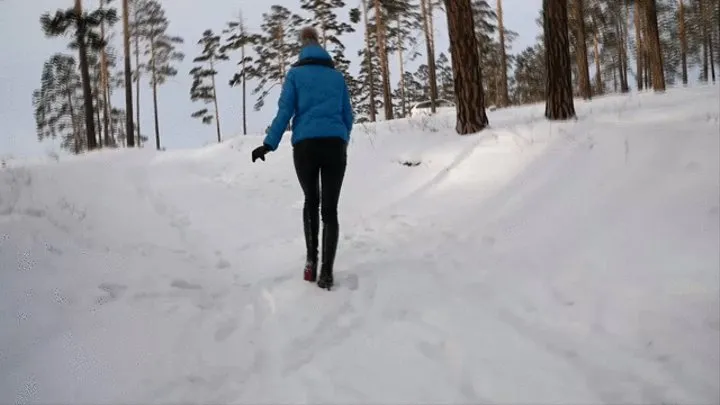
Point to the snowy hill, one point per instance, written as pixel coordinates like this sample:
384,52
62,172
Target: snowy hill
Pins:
535,262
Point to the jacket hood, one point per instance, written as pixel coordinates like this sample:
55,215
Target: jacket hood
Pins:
314,52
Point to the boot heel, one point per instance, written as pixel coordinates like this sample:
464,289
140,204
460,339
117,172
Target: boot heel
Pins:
310,273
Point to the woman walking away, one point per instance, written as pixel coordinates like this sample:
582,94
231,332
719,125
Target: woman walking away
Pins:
317,99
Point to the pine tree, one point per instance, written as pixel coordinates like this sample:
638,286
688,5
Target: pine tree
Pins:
84,37
404,19
381,43
160,50
58,104
471,116
503,96
529,75
368,73
363,88
491,67
653,43
139,18
129,126
106,62
445,78
239,39
559,102
275,50
201,90
426,7
581,55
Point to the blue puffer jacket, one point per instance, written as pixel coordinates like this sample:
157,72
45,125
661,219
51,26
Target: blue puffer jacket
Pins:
316,97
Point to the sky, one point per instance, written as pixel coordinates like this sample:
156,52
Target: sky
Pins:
25,49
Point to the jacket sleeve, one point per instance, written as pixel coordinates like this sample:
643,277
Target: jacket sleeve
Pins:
347,110
286,110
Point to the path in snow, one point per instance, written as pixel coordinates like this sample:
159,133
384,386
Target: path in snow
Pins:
537,262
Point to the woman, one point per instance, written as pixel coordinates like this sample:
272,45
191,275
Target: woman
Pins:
317,99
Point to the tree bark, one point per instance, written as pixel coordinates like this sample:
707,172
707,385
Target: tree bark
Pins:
581,51
653,42
638,48
153,70
104,79
242,53
703,29
683,41
503,96
98,122
623,46
384,67
85,74
215,101
137,81
403,98
707,22
369,66
426,6
598,70
471,117
559,96
622,64
129,127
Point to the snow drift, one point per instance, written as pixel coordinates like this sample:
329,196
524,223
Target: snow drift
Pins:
534,262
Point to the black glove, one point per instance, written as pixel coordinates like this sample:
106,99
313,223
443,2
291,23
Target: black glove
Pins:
259,153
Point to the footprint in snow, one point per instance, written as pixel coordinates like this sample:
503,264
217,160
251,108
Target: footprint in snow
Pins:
225,330
222,264
113,292
184,285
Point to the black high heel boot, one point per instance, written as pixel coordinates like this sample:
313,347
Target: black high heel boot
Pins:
311,228
329,248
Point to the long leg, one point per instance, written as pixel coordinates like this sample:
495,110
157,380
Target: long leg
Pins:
332,175
308,173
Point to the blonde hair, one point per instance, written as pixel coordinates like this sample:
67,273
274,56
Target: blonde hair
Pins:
309,36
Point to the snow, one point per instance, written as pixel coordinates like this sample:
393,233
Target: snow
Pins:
535,262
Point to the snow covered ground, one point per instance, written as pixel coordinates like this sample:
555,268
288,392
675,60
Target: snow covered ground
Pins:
535,262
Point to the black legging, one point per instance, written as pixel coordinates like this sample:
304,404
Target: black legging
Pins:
321,161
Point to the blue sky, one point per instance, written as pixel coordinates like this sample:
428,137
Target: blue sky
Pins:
21,66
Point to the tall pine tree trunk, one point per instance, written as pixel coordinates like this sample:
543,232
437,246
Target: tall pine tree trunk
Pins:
559,95
471,117
703,29
430,49
621,64
683,41
707,22
368,62
581,51
244,87
215,101
400,42
503,96
129,127
104,83
153,70
623,47
73,122
654,49
598,67
384,66
639,46
85,74
98,106
137,80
